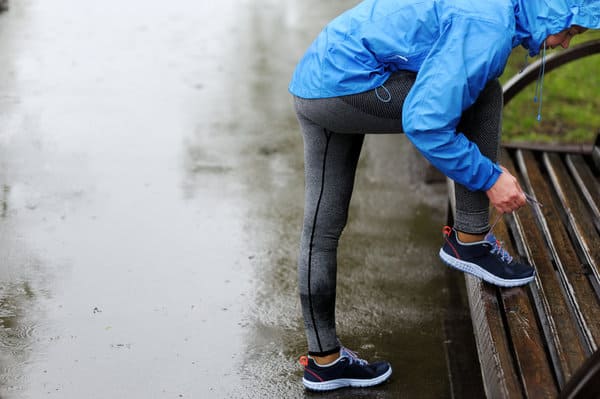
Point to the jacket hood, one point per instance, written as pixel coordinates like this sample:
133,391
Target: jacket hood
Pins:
537,19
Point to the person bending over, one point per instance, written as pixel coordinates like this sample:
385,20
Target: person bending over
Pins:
428,69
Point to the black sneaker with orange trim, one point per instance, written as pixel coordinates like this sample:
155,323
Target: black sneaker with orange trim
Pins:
485,259
347,371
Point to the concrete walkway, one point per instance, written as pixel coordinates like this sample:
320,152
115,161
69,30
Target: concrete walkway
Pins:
150,206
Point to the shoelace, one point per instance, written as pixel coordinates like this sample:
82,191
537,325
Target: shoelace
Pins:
504,255
353,357
539,87
497,249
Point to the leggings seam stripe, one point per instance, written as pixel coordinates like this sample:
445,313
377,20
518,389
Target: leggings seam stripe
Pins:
312,237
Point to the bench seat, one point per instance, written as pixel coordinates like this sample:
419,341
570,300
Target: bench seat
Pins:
541,340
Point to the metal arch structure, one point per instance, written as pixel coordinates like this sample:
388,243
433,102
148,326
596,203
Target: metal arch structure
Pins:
530,74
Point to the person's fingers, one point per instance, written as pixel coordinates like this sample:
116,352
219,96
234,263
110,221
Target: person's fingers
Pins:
522,199
509,206
503,208
506,195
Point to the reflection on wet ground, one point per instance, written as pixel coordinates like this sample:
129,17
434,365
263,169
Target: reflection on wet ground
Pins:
151,197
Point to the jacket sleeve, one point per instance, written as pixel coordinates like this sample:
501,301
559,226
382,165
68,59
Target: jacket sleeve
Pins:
467,55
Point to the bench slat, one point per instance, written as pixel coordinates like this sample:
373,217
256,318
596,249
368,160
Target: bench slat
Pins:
577,287
587,183
499,377
579,219
557,322
527,340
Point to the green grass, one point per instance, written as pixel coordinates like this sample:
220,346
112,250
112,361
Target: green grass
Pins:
571,101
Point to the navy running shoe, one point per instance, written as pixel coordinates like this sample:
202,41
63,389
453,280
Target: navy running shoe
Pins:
485,259
347,371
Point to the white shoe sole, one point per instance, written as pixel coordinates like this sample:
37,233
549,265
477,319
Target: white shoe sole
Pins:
483,274
346,382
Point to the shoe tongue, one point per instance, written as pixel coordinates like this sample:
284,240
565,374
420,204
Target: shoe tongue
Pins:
498,247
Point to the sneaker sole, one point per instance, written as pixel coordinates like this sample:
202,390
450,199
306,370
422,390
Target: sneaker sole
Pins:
346,382
483,274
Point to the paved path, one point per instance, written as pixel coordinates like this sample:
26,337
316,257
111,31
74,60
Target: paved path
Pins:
150,202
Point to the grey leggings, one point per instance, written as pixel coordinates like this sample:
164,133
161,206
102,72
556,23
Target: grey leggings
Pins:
333,131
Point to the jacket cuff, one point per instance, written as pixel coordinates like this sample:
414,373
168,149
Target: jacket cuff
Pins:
495,174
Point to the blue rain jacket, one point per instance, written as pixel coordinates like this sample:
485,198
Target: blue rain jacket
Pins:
455,46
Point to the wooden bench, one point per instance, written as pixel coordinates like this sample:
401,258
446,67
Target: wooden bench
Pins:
542,340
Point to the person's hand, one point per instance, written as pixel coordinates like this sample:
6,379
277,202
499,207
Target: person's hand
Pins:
506,194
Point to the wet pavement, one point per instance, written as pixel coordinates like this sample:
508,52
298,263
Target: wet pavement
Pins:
150,204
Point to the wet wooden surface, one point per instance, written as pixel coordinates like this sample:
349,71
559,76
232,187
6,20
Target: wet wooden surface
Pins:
532,340
526,337
500,379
